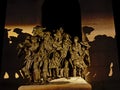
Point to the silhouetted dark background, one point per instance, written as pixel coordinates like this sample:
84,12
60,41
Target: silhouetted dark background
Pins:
116,13
3,5
62,13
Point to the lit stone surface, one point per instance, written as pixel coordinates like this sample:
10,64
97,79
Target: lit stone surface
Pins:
74,83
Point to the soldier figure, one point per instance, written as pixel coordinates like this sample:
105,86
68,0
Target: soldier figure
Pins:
54,65
66,45
36,68
45,51
57,44
85,49
30,47
38,31
76,57
24,46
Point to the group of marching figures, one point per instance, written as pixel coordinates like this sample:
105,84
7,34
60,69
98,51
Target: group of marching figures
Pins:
54,55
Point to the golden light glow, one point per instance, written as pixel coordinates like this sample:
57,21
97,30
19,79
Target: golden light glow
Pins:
6,75
111,70
26,29
102,24
16,75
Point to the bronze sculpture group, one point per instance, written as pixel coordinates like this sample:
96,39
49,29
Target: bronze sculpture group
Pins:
53,55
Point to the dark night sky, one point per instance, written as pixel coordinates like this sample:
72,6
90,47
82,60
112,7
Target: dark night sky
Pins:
27,13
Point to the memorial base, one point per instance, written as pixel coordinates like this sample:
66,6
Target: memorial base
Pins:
60,84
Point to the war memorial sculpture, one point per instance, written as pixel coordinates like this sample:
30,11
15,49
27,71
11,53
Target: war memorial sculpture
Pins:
48,56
